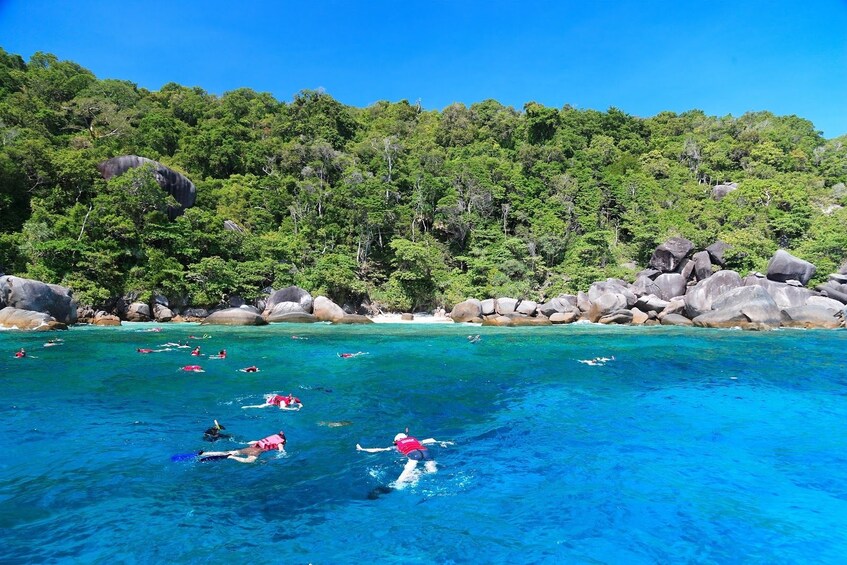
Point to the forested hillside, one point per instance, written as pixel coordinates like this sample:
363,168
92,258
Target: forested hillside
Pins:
396,205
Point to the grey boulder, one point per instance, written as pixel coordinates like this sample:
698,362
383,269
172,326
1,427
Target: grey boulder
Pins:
36,296
784,266
669,255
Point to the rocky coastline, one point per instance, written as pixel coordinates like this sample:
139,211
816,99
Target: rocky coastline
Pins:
681,286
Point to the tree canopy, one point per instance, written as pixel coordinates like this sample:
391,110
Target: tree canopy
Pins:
404,207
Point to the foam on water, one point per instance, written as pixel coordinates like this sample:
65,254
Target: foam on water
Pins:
689,446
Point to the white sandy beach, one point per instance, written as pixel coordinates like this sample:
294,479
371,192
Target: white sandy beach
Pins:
418,319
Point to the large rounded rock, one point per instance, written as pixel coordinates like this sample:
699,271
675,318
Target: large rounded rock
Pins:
785,295
488,306
699,298
283,308
326,310
651,302
670,285
527,307
825,302
36,296
784,266
16,318
515,321
676,320
467,311
138,312
702,265
172,182
721,190
290,294
102,318
605,304
669,255
750,307
505,306
564,317
556,305
835,294
162,313
297,317
235,317
612,286
617,317
811,316
716,252
644,285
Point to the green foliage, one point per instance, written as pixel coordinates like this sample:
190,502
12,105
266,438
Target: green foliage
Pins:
404,207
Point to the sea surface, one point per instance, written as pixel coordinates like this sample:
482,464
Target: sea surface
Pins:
690,446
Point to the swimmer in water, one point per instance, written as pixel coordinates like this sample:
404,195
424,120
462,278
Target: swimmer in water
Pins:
414,450
20,353
250,369
221,355
474,338
349,355
196,351
193,369
289,402
275,442
214,433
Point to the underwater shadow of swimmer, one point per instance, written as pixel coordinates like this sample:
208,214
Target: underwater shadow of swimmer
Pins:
380,490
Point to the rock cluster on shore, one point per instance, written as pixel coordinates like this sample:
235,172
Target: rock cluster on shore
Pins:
680,286
684,287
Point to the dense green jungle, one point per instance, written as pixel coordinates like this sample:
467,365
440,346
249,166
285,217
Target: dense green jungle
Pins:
391,205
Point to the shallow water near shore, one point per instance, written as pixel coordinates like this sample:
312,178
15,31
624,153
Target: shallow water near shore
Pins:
691,445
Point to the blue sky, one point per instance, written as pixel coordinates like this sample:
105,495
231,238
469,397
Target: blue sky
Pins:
642,57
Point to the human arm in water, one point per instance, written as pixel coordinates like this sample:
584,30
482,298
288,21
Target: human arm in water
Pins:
373,449
430,441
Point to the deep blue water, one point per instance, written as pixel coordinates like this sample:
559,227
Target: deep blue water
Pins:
692,446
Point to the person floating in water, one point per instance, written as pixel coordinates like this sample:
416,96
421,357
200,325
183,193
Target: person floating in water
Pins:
348,355
597,360
289,402
193,369
196,351
250,369
414,450
221,354
214,433
474,338
275,442
53,342
20,353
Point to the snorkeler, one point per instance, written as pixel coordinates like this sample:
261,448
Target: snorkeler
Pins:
193,369
414,450
20,353
221,354
196,351
474,338
249,454
214,433
283,402
349,355
250,369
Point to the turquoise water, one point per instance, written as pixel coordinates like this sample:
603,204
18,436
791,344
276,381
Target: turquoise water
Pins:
693,446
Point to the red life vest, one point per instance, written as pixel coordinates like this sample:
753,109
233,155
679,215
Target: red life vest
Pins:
271,442
408,445
278,400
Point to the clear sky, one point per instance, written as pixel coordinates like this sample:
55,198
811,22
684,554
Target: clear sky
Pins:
641,56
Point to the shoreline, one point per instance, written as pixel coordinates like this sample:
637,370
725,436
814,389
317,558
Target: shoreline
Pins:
418,319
